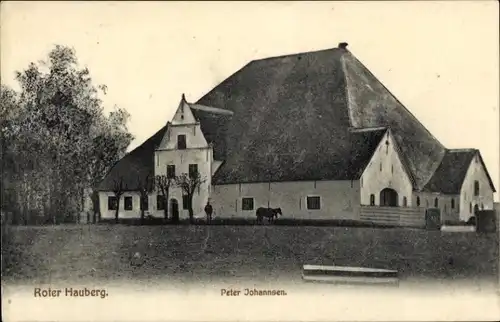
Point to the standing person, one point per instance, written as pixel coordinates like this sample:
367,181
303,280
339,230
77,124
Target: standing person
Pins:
209,211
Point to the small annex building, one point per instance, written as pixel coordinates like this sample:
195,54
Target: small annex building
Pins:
316,134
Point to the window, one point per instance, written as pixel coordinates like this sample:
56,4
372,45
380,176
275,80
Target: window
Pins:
313,203
128,203
386,146
193,170
372,200
160,202
247,204
170,171
452,203
476,188
436,203
405,202
470,207
482,206
145,203
380,166
418,201
112,203
181,142
185,202
392,169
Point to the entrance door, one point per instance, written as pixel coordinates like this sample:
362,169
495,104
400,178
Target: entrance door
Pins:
174,209
388,198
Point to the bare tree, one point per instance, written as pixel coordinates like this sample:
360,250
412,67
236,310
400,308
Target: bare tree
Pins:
118,189
144,186
189,184
163,184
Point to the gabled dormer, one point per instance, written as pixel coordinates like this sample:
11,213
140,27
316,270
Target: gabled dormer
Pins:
184,131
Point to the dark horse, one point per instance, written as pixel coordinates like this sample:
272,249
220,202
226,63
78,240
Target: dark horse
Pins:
269,213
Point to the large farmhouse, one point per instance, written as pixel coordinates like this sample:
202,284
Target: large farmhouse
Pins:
313,133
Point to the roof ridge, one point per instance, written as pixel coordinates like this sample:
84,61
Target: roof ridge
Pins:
297,54
395,98
368,129
461,150
211,109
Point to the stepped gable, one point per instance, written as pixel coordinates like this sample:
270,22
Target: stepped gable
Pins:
293,115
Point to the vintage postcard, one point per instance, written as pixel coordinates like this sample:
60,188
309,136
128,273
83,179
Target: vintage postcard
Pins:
250,161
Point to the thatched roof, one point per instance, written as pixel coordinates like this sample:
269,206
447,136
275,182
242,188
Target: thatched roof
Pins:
298,117
303,105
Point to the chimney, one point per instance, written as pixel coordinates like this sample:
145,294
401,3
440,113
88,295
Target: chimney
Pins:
183,97
343,45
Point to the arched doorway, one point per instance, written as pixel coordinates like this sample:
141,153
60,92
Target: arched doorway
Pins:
388,198
174,209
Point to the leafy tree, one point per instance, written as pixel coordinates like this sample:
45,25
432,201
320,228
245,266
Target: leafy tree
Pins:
189,184
163,184
56,139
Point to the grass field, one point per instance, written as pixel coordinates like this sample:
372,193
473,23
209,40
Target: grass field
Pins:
106,252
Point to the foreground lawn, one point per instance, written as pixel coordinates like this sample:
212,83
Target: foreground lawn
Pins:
73,253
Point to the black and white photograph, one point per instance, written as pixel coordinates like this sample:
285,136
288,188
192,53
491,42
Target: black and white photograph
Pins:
250,161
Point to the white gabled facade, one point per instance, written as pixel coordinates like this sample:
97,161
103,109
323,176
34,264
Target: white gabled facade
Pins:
182,148
385,171
476,191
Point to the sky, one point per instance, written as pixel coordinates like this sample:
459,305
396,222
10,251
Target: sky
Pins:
440,59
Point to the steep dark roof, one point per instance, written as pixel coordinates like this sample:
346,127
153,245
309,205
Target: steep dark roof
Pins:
135,166
299,106
450,174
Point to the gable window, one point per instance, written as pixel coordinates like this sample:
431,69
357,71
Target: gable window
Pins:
387,147
476,188
452,203
405,202
193,170
247,204
436,203
380,166
313,203
170,171
128,203
145,203
112,203
181,142
160,202
185,202
372,200
418,201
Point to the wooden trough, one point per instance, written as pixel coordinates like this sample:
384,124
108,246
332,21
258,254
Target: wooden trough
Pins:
458,229
349,275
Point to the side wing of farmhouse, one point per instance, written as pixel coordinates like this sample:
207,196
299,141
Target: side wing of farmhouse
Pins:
315,134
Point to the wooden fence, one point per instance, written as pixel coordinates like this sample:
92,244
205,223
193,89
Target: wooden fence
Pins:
393,216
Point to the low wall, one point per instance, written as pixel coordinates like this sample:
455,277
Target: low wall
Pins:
394,216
